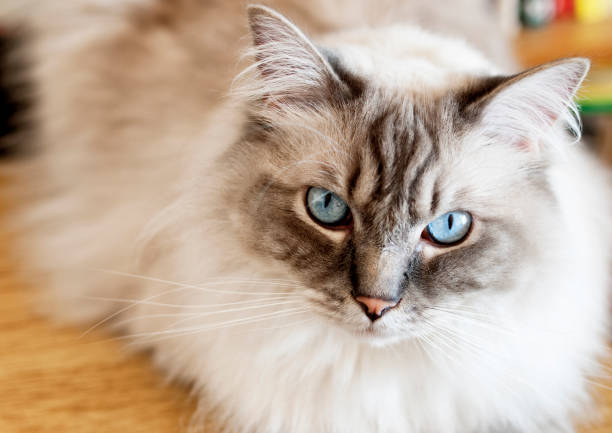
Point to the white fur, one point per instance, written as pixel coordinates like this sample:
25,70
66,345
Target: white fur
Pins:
538,107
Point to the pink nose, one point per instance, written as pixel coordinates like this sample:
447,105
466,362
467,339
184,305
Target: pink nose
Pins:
376,307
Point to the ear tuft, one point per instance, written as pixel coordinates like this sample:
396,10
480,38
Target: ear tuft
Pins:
526,108
289,68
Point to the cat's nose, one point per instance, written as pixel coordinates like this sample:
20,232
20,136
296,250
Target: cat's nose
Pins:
376,307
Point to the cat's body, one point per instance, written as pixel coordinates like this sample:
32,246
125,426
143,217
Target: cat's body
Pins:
153,188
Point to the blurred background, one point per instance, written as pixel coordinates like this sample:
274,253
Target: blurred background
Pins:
545,30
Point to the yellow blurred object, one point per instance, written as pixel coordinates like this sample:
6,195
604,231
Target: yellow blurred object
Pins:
598,86
590,11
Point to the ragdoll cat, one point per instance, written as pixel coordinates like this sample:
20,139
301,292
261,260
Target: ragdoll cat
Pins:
377,232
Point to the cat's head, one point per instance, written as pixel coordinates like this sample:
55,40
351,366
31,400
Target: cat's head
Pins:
393,173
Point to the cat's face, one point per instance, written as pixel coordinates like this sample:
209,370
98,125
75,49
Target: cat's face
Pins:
389,205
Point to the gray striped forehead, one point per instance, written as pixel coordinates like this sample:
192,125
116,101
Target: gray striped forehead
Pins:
393,157
396,167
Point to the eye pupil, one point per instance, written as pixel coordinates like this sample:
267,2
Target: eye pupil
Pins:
450,221
328,198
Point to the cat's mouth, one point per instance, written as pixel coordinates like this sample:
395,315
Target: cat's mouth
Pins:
397,323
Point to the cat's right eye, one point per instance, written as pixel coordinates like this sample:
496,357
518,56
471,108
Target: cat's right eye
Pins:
327,208
449,229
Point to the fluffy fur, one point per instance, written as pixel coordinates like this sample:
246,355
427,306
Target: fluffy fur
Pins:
181,220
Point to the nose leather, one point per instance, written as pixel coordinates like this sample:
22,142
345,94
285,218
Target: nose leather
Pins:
376,307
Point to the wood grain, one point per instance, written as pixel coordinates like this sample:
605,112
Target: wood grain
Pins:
51,380
54,381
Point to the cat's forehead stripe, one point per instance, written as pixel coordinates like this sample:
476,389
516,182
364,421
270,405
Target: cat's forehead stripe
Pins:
435,197
404,143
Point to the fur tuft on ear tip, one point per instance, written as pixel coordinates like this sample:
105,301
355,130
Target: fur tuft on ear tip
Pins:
573,70
581,65
268,25
261,17
288,69
256,10
529,108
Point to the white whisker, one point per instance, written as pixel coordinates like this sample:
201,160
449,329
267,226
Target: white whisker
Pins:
162,335
180,287
198,315
214,282
477,321
233,310
196,329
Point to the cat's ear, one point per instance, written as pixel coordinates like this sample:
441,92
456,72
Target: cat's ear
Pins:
524,108
291,69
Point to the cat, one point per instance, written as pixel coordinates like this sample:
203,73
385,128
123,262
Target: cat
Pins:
380,231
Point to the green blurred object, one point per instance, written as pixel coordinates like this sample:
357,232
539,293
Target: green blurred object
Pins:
595,107
596,93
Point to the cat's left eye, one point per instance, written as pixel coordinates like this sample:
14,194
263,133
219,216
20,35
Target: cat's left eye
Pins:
449,229
327,208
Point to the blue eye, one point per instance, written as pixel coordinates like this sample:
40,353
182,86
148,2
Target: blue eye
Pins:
450,228
326,207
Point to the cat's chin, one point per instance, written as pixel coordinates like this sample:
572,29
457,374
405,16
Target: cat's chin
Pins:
375,334
379,337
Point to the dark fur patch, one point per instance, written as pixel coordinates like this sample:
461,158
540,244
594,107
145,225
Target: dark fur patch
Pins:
354,85
375,141
435,198
471,98
354,176
16,98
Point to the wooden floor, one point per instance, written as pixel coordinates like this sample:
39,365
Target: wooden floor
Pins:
51,380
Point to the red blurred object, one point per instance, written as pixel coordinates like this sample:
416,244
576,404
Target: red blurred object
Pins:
564,8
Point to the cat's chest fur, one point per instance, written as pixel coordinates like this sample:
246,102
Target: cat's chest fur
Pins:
306,378
298,374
